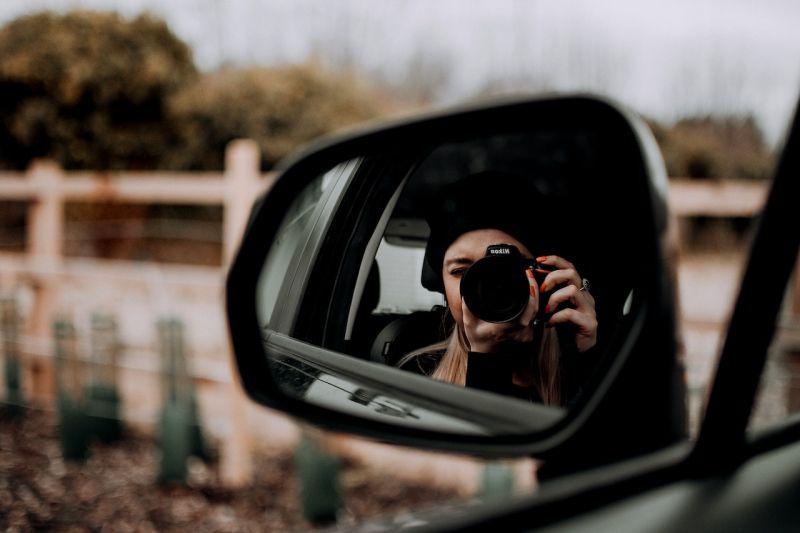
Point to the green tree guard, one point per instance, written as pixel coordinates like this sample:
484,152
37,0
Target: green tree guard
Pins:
73,425
174,442
497,482
73,429
102,396
9,327
179,423
318,476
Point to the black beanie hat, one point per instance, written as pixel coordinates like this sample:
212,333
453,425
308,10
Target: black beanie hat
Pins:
486,200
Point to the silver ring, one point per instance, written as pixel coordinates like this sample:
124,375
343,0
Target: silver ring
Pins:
585,285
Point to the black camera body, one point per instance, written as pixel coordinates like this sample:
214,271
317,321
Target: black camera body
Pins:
496,287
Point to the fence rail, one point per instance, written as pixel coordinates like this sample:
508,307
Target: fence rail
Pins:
723,198
137,187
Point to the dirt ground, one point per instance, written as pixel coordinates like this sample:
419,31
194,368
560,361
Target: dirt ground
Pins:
115,489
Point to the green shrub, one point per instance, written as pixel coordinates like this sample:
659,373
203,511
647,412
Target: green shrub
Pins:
87,89
281,108
714,147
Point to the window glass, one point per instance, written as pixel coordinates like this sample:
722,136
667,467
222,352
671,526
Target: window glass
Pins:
712,261
708,279
779,392
401,290
291,237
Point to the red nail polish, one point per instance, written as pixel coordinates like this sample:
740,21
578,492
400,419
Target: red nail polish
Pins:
547,309
541,259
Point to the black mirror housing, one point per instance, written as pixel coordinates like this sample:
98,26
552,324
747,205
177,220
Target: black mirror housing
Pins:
610,168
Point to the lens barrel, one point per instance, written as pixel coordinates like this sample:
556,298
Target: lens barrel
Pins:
496,288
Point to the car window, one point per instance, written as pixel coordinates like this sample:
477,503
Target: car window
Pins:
401,292
778,396
292,236
708,280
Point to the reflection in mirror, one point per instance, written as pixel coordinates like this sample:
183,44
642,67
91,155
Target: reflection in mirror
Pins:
315,386
320,378
291,238
490,263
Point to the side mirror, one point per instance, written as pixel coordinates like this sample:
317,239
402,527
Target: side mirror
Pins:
325,295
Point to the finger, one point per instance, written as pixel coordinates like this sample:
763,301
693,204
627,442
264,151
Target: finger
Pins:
586,323
562,277
468,323
485,336
581,300
534,286
556,261
526,318
585,327
466,315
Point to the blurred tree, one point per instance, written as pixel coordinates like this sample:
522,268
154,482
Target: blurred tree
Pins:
715,147
88,89
281,108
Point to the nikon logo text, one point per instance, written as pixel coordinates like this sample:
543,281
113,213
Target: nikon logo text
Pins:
501,251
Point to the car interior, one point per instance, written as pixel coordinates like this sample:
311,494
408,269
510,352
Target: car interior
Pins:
391,314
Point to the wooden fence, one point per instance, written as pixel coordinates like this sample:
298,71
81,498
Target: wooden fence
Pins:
690,198
53,281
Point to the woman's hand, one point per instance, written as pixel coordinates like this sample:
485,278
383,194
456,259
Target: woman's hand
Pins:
567,287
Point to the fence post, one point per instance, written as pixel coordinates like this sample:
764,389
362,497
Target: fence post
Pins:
242,171
45,238
44,251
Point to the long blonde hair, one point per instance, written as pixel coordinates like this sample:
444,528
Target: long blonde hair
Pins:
452,367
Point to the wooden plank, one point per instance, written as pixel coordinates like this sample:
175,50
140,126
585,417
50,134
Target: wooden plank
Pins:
686,197
713,198
15,187
117,271
132,187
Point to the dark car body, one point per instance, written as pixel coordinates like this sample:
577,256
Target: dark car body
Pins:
619,461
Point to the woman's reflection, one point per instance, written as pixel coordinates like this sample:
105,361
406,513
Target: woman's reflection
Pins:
524,323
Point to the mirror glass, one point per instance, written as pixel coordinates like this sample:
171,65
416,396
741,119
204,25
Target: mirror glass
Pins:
364,295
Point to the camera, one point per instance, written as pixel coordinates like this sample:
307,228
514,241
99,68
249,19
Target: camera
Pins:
496,287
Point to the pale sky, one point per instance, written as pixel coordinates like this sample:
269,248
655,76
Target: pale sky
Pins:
666,59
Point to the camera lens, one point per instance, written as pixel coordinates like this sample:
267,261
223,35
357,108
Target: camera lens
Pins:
496,288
